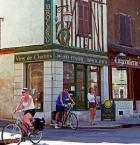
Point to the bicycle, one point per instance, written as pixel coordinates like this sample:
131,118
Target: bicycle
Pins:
71,118
14,132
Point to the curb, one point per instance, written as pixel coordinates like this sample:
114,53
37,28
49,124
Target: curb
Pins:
129,125
100,127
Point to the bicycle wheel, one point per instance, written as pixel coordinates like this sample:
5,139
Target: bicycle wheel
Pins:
11,133
35,136
73,121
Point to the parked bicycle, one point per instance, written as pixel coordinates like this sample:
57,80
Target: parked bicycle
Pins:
70,120
14,132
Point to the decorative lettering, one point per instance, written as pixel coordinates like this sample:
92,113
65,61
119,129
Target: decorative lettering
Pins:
60,56
122,61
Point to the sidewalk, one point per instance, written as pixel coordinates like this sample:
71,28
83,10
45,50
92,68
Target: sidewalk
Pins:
120,123
108,124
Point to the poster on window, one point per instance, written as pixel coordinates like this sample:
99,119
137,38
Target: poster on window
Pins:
116,92
122,92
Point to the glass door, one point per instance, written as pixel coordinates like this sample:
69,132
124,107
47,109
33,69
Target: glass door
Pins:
80,85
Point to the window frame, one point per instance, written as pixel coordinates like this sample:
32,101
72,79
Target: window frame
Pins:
86,87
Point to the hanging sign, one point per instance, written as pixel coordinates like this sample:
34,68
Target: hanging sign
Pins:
108,110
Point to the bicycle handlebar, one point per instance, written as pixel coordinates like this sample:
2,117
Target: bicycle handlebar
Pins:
69,105
18,114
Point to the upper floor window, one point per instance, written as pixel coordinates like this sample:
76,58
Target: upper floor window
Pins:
84,18
124,29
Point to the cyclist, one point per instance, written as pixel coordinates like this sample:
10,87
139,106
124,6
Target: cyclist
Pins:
60,103
26,104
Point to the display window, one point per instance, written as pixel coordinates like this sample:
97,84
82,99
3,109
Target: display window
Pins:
78,78
35,73
119,83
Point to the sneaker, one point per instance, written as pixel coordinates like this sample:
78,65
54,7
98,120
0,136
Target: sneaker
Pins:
56,126
23,139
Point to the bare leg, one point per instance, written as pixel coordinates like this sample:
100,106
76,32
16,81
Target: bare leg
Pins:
57,117
26,119
92,114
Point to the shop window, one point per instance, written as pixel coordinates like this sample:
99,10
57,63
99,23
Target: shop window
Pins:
119,83
77,79
94,81
35,75
68,76
80,87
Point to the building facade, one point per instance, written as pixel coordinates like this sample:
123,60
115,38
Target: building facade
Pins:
124,53
49,52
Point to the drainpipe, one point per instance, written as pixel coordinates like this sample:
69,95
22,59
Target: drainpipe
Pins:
51,88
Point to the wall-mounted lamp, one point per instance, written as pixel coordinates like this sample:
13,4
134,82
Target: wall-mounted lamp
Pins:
122,54
67,16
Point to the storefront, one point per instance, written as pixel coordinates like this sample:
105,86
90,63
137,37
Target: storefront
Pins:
124,72
46,73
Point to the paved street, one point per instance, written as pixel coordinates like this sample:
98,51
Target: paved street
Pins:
90,136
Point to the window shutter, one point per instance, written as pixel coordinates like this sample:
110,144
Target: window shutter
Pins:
84,19
87,17
122,29
128,31
125,30
117,27
133,32
81,19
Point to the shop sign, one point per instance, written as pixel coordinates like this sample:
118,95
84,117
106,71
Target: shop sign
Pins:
33,57
21,58
80,58
126,61
108,110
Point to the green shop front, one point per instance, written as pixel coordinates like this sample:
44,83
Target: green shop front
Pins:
45,73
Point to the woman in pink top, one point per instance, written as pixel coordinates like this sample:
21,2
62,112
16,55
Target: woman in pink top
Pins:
92,105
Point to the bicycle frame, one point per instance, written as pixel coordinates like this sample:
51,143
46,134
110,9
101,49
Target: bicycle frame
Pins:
68,108
16,132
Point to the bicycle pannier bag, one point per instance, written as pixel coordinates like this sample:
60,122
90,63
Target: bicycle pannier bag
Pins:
39,123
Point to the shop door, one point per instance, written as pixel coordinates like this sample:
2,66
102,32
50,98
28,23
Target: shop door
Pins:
80,85
136,83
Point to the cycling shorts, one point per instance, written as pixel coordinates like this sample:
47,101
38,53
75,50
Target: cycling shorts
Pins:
31,111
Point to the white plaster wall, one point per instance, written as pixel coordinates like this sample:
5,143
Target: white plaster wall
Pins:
6,85
104,84
126,107
23,23
105,25
18,82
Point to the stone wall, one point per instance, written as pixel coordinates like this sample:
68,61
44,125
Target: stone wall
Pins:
53,85
6,85
124,109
